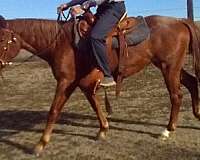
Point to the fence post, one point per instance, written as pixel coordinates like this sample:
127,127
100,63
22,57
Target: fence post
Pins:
190,12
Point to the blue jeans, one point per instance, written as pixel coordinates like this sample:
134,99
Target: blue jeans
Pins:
108,15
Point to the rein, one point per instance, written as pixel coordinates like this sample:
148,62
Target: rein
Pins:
59,19
62,14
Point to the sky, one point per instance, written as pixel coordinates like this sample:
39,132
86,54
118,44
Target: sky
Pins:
46,9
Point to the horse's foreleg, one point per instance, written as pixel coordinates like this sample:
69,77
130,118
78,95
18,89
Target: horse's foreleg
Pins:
191,83
104,126
172,80
63,91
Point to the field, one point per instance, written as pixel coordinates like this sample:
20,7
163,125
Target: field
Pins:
140,115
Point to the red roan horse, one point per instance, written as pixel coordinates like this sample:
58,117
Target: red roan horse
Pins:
170,39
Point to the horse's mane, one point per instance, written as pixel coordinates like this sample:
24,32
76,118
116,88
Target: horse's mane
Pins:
41,30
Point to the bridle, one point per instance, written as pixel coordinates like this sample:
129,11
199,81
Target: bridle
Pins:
7,42
13,39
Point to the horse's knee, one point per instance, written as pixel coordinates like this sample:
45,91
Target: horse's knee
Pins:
176,98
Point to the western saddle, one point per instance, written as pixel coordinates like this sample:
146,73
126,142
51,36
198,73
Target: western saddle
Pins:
126,25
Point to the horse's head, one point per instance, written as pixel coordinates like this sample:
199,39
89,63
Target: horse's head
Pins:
10,45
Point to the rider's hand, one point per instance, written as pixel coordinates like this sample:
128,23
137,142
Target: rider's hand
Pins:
87,4
76,10
62,7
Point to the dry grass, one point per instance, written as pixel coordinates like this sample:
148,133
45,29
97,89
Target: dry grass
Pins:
139,116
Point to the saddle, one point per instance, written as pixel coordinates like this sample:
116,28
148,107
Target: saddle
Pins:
128,32
134,30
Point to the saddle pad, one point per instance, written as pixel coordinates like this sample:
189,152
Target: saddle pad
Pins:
138,34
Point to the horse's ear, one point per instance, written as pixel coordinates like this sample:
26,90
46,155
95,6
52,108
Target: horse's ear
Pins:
3,23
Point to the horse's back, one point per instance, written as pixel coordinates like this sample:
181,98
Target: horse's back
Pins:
168,27
162,21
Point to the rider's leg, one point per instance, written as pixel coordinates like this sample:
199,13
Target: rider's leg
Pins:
106,20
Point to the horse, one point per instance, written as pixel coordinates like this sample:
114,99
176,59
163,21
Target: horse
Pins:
169,41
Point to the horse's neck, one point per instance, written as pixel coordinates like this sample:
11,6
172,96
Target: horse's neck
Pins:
39,36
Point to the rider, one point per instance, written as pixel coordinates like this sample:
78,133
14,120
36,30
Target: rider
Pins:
109,12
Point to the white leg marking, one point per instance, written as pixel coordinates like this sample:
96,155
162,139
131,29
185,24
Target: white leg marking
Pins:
166,133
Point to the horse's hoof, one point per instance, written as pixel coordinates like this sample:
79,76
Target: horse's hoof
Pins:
38,149
164,135
163,138
101,135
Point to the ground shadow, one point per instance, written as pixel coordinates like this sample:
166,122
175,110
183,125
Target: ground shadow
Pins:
13,122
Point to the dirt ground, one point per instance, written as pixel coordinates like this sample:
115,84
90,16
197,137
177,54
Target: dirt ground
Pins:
140,115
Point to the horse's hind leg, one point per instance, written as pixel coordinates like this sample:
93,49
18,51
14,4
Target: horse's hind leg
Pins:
63,92
191,83
94,101
172,80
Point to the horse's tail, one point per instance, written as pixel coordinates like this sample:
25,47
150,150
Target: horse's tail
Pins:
194,45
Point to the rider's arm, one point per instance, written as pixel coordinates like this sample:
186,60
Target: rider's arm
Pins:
92,3
74,2
99,2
